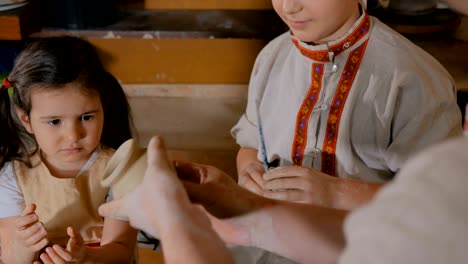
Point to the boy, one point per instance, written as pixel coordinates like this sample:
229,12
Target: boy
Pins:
343,101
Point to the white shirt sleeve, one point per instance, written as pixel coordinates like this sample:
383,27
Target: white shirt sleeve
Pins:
11,197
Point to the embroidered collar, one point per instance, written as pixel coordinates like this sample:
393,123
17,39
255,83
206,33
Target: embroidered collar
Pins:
320,53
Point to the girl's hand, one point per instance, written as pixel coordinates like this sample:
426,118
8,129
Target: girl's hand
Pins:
29,231
74,253
299,184
251,178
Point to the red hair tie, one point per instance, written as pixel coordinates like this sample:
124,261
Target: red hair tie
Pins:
6,83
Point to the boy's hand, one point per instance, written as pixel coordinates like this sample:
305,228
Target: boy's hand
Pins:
299,184
217,191
29,231
251,178
74,253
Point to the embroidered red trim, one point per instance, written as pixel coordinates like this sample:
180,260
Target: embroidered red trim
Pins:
6,83
337,49
336,109
302,119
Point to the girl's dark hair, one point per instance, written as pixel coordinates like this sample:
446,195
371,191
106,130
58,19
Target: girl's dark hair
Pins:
51,63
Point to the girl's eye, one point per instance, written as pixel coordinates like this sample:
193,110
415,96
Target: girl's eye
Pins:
54,122
87,117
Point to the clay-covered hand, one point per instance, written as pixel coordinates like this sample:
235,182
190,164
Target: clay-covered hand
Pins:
30,232
158,201
251,177
216,190
75,251
299,184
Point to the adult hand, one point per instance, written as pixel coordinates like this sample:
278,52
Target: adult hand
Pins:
251,177
75,251
226,203
217,191
159,200
30,232
299,184
160,206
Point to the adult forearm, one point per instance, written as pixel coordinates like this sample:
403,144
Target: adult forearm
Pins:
304,233
192,240
349,194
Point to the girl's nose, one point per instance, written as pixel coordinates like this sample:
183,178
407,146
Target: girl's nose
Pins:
75,132
291,6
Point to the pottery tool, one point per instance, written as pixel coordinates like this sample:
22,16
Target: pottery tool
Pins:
262,141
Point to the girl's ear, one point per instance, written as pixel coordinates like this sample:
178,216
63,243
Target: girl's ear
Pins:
24,118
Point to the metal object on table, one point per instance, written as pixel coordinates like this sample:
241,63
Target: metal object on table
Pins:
412,7
417,17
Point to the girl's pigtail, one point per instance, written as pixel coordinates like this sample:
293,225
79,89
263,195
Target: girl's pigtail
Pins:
118,122
10,141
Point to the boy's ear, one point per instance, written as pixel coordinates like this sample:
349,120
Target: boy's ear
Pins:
24,118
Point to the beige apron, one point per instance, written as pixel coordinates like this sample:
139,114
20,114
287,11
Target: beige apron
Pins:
66,202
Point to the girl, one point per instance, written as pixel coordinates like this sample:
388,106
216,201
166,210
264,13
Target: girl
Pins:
65,115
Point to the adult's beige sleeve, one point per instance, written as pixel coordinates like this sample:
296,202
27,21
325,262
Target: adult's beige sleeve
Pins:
421,217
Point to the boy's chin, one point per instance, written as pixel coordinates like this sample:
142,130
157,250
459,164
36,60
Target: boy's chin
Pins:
307,38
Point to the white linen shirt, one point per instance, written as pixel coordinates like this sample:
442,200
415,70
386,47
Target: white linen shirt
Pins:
401,101
11,197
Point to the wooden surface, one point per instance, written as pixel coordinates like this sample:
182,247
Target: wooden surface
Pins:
194,120
188,123
199,61
183,47
18,23
228,61
148,256
207,4
10,28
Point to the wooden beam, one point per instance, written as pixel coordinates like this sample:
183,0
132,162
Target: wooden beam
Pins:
18,23
200,61
10,28
207,4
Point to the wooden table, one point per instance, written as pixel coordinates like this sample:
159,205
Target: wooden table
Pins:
148,256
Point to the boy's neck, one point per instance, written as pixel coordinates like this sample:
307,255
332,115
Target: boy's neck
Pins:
343,29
